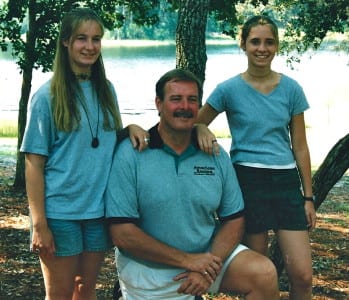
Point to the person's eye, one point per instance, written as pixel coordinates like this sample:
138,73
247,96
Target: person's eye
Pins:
81,38
255,42
175,99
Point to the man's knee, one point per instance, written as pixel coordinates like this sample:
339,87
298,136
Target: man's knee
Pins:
250,271
266,274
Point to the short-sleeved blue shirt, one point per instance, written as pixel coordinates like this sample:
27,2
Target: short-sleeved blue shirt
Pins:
259,123
174,198
75,173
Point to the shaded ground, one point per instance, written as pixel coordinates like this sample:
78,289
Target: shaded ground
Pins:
20,275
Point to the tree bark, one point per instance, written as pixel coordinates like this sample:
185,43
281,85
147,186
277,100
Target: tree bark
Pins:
190,36
329,173
19,182
331,170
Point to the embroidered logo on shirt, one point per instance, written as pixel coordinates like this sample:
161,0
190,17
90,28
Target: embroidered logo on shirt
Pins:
204,170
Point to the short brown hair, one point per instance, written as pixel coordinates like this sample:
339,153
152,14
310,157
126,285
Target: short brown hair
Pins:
176,75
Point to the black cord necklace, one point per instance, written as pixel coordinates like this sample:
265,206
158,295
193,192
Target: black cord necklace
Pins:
82,76
95,140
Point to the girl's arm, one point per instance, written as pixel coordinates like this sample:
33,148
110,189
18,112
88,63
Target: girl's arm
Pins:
42,239
138,136
302,156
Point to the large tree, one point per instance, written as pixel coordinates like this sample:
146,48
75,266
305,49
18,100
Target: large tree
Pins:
191,30
190,36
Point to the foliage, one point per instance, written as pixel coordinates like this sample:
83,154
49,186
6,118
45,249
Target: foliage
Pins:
307,22
162,26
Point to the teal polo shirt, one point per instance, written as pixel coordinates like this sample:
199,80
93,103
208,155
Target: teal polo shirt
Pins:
174,198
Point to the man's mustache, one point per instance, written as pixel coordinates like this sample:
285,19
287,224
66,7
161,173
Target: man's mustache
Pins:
183,114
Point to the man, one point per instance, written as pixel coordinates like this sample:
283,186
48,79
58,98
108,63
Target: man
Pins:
176,213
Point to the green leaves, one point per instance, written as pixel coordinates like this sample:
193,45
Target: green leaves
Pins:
307,22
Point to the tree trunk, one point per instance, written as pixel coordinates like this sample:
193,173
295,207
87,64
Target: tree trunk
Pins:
331,170
19,182
190,36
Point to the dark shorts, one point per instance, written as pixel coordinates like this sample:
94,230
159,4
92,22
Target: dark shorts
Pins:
273,199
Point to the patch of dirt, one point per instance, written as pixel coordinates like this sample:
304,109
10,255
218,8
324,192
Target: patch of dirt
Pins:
20,274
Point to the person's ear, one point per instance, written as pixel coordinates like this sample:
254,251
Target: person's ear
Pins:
158,103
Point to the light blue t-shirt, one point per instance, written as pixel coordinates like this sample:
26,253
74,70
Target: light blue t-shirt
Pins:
174,198
75,173
259,123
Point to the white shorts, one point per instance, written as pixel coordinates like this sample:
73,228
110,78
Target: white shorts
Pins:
142,282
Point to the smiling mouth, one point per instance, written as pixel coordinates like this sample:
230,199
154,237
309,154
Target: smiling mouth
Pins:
88,54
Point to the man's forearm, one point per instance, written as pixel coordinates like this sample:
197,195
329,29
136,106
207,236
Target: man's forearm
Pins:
130,238
133,240
228,237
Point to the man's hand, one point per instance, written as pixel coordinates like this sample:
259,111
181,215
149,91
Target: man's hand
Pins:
193,283
206,264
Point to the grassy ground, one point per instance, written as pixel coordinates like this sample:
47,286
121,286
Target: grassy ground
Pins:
8,128
20,275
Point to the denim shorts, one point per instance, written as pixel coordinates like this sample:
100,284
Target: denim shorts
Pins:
273,199
73,237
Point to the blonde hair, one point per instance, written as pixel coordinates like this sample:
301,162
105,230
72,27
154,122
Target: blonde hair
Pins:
65,88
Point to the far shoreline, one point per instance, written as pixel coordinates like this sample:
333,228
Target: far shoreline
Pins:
150,43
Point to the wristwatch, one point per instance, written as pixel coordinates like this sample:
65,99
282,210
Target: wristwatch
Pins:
309,198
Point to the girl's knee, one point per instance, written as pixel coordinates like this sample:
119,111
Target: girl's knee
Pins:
303,280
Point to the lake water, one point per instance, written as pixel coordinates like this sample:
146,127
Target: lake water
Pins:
135,70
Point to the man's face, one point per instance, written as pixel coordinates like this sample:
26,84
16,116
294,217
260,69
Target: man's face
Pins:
179,109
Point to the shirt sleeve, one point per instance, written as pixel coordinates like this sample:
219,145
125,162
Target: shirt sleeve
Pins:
40,129
232,204
215,99
299,102
121,192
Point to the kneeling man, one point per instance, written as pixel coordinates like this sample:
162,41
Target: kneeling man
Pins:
176,213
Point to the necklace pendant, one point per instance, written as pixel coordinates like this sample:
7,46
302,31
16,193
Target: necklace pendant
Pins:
95,142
